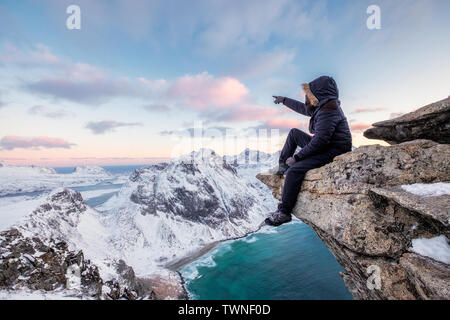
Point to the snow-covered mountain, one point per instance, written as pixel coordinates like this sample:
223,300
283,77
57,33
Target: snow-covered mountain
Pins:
166,211
63,216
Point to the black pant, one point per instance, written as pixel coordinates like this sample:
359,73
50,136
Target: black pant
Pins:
296,173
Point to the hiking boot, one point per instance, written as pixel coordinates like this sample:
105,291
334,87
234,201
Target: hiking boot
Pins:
277,218
282,168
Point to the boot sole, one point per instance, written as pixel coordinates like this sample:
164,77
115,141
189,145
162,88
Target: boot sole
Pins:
270,223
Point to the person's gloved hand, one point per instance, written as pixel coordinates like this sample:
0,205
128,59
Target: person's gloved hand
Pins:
278,99
291,161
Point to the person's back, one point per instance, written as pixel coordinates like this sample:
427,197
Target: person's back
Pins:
342,137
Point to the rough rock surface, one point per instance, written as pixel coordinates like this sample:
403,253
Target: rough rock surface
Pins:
436,208
430,278
356,208
431,122
28,263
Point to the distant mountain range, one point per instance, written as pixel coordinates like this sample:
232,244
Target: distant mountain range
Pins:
26,179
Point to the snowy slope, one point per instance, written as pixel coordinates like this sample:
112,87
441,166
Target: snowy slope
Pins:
63,216
13,209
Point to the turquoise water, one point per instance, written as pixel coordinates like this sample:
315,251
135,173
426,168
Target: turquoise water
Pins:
291,263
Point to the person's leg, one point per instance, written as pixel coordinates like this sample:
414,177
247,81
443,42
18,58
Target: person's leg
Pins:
292,186
295,138
294,179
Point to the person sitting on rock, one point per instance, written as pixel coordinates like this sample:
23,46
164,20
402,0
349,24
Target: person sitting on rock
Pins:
331,137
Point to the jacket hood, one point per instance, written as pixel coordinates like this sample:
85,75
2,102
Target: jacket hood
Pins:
321,90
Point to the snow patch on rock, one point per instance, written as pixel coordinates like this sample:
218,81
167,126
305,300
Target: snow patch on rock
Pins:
436,248
428,190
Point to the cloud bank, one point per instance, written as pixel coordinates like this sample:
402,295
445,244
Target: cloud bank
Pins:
101,127
16,142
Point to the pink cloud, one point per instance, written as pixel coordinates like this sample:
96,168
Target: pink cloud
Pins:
360,126
361,110
44,111
101,127
43,54
157,85
75,81
202,91
15,142
39,56
248,112
90,90
85,83
85,72
282,123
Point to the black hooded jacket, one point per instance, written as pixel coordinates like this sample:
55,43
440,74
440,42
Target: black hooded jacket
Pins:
328,122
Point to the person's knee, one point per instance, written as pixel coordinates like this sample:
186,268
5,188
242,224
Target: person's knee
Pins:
295,172
294,131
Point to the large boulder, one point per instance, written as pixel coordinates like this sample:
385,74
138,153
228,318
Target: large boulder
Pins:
357,207
430,122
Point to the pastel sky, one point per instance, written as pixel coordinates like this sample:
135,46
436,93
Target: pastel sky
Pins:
140,75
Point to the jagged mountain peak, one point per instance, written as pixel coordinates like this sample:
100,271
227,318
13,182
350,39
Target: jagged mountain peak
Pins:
201,157
204,162
198,190
57,217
